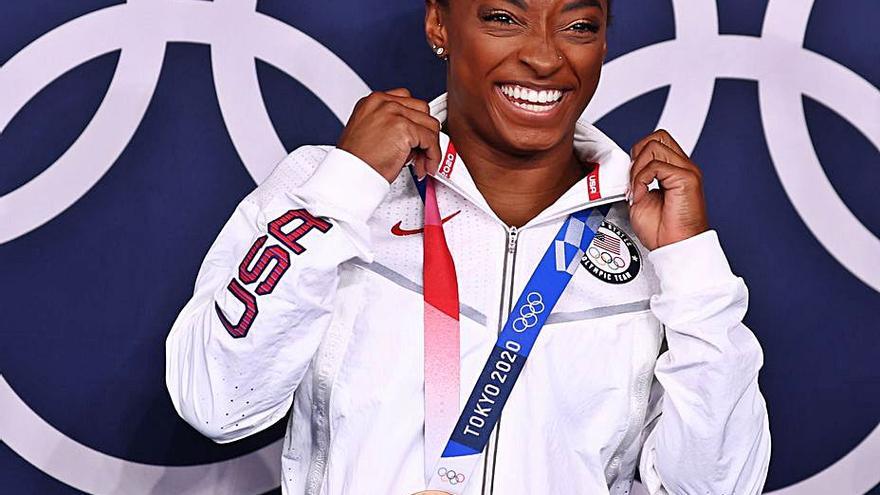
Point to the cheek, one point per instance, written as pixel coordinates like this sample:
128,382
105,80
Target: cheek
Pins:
590,68
480,56
472,72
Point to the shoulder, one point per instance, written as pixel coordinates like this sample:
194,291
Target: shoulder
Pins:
290,173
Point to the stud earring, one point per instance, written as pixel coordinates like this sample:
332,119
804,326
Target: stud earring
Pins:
440,52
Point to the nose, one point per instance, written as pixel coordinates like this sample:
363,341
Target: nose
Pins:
541,55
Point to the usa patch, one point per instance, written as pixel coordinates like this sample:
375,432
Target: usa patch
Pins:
612,256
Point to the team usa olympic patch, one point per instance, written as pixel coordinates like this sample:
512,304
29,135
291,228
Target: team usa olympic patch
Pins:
612,256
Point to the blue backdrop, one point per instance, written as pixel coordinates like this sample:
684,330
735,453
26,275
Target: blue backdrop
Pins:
131,131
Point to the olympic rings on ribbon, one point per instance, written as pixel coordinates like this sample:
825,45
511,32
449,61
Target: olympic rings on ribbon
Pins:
450,476
528,312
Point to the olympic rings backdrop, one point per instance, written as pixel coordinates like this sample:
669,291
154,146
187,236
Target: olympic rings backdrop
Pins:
131,130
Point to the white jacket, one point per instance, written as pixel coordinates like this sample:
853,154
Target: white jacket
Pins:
339,337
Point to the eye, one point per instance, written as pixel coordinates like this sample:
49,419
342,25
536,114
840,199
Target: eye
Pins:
499,18
584,27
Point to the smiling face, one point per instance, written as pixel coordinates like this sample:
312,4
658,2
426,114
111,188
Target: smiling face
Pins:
520,72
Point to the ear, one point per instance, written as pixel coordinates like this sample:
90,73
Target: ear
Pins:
435,29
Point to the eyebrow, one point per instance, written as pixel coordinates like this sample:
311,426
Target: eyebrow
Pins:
519,3
574,5
581,4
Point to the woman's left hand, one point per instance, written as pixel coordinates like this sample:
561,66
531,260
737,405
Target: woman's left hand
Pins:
675,211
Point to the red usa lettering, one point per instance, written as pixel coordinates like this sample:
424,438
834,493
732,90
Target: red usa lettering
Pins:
276,257
593,183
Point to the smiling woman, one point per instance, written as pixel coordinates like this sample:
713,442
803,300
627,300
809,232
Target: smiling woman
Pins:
519,76
530,218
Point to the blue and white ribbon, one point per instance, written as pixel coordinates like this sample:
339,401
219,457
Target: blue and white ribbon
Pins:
516,340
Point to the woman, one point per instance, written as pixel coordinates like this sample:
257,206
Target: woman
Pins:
376,294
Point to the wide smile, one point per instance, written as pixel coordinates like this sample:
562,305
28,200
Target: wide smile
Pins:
531,103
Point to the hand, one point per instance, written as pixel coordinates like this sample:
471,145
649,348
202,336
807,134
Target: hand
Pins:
389,128
675,211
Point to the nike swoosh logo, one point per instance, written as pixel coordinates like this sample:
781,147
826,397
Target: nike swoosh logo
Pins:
396,230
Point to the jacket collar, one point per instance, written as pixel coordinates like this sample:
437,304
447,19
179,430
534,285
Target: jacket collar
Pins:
610,183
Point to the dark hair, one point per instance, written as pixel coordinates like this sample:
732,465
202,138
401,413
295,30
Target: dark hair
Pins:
445,3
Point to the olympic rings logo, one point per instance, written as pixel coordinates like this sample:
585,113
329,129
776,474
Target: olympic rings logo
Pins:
528,312
450,476
604,258
238,34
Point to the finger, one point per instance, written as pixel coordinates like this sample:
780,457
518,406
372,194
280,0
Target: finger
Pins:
399,95
433,156
429,145
415,160
371,101
419,165
400,92
667,139
655,150
404,97
425,143
413,103
428,137
410,159
670,177
662,136
420,118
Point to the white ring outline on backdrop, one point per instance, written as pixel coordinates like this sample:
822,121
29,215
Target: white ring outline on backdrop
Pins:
141,28
236,34
221,24
791,150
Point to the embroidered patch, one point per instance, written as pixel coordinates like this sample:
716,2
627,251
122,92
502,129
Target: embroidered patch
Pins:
612,256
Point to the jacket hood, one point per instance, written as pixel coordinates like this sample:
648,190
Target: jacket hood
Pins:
611,181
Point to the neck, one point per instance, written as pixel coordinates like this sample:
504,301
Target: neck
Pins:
518,186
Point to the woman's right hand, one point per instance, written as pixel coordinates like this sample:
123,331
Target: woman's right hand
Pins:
388,128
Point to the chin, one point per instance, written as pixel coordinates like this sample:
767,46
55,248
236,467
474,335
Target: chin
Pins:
527,141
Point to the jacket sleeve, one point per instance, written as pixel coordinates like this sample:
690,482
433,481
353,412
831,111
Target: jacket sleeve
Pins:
708,432
265,293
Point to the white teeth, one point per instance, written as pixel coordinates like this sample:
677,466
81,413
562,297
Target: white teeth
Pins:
534,108
544,98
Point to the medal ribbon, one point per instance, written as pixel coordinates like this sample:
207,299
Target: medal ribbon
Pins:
470,433
442,354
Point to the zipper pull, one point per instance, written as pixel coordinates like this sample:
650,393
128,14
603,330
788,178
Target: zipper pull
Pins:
511,239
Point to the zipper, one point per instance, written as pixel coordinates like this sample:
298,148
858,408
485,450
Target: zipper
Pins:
507,286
